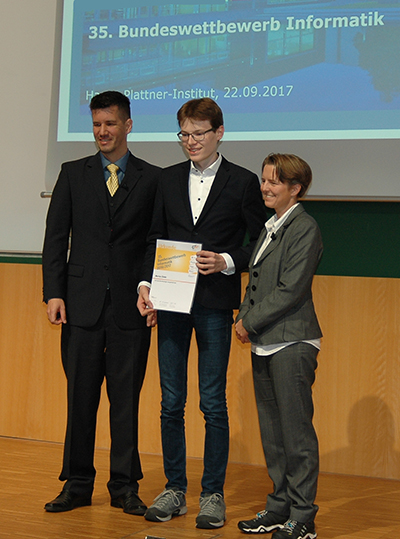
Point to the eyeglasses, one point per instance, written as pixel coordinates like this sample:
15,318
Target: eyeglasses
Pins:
197,137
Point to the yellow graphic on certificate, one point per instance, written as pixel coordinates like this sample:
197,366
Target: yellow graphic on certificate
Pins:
173,259
174,276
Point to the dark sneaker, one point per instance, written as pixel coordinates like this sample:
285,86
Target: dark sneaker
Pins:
296,530
168,504
212,511
265,522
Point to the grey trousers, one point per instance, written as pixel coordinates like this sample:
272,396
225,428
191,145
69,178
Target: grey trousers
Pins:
282,383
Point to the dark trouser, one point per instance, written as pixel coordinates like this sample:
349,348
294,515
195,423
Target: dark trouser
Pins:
89,356
282,383
213,328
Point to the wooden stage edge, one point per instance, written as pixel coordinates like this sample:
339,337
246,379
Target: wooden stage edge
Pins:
350,506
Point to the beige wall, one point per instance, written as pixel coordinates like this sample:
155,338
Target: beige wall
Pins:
27,42
357,408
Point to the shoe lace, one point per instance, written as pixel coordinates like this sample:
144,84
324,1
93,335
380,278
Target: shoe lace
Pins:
166,498
209,503
261,514
290,526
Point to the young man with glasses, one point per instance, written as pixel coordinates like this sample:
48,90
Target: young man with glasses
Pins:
211,201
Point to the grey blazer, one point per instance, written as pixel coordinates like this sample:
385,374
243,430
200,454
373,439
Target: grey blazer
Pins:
278,305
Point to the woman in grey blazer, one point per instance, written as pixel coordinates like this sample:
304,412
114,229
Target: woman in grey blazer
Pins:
277,316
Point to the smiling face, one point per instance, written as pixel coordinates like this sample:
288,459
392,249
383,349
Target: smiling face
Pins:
277,195
110,131
202,153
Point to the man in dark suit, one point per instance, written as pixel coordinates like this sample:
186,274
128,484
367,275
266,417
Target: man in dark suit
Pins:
211,201
92,293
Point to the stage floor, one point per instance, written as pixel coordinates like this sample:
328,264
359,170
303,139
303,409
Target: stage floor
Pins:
350,506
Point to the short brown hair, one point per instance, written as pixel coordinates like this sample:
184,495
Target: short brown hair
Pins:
291,169
201,109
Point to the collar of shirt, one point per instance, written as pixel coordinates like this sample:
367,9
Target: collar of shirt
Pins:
200,183
122,163
210,171
274,224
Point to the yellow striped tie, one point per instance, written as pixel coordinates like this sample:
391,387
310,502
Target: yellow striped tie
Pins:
112,182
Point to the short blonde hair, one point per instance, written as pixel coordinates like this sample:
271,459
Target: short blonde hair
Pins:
290,169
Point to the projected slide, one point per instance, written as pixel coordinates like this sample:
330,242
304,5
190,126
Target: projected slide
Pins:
279,69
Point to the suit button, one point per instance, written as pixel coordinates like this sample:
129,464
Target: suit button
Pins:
255,273
252,302
111,245
254,288
106,267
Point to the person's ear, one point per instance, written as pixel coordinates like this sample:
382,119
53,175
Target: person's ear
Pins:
129,125
296,189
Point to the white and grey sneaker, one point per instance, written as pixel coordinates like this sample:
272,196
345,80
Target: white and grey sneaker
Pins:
212,511
168,504
294,529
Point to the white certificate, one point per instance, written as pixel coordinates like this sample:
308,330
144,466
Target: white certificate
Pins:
174,276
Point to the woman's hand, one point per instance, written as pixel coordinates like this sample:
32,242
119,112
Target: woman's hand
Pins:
241,333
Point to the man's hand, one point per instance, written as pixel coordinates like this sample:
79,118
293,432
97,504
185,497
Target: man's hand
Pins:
145,306
56,311
241,333
209,262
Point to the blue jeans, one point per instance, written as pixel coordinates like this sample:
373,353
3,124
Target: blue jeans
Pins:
213,336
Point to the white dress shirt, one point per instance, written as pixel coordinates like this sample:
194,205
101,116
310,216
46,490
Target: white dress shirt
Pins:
200,183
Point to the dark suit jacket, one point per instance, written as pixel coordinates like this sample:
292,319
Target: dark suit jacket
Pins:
234,206
108,241
278,305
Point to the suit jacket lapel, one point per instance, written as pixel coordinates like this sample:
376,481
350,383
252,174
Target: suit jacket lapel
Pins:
95,175
133,173
257,246
273,244
184,189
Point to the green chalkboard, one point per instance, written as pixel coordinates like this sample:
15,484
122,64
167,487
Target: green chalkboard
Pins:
360,238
